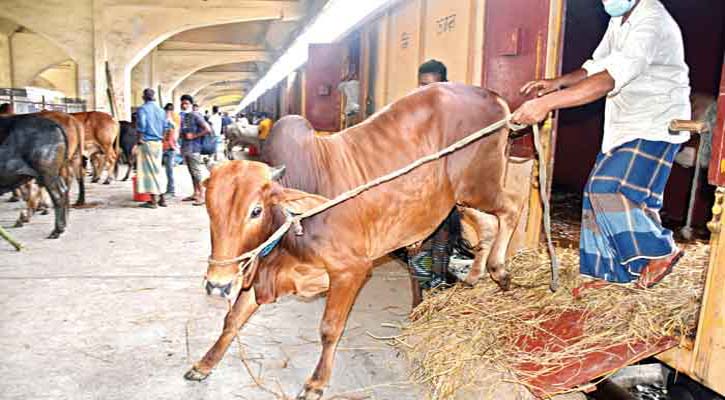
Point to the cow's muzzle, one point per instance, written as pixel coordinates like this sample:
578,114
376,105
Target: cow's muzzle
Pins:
215,289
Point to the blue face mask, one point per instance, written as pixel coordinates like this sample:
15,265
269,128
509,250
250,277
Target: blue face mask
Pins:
617,8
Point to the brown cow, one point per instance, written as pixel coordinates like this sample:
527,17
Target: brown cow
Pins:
101,136
338,247
76,142
31,193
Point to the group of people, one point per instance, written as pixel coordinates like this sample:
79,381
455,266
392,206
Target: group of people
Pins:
164,133
639,67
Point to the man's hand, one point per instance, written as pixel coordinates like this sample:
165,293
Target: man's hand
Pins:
531,112
542,87
189,136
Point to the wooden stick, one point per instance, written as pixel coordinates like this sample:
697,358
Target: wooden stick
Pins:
5,235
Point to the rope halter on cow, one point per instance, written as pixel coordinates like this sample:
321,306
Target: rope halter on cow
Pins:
246,259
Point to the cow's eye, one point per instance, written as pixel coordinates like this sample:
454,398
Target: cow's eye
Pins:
256,211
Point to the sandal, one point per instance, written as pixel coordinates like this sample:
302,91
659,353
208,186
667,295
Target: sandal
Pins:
190,198
656,270
198,203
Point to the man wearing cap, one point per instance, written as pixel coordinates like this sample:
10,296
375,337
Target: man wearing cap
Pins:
640,67
150,124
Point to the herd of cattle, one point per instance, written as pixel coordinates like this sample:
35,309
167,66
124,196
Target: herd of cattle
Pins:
46,150
247,201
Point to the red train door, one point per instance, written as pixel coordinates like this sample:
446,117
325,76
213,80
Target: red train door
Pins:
515,47
716,174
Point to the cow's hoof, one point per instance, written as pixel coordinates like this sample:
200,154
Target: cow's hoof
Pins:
472,279
44,211
505,282
195,375
18,224
107,182
309,393
95,180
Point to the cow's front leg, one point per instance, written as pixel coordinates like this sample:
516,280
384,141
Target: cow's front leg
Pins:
340,298
243,308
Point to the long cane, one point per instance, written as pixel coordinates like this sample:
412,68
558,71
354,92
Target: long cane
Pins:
5,235
698,127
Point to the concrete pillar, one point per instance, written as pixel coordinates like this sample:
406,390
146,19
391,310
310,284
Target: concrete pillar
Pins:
6,74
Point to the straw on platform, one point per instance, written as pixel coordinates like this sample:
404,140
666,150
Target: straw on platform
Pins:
456,335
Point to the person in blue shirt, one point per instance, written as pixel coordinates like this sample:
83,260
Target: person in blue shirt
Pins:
151,123
193,128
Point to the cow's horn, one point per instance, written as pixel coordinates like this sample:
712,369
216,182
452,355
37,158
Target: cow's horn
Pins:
276,173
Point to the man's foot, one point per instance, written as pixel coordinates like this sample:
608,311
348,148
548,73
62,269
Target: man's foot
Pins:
198,203
170,194
595,284
656,270
162,202
190,198
148,204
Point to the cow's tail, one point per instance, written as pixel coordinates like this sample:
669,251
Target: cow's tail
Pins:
117,148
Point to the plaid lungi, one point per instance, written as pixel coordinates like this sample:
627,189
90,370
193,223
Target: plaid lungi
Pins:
621,227
150,174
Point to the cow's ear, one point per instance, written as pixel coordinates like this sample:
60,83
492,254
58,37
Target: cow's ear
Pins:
274,193
276,173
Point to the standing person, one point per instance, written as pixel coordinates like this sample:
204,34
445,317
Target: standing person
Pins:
215,120
226,121
432,71
265,126
640,67
171,147
350,88
427,262
150,125
193,127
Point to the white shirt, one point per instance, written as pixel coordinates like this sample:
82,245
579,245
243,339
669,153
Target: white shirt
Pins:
216,124
351,89
646,58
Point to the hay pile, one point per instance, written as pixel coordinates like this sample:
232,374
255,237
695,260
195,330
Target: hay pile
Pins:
456,335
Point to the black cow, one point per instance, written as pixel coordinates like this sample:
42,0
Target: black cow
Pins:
35,147
129,139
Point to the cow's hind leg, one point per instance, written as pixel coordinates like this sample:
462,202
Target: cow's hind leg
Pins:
77,163
111,165
59,195
31,203
486,227
344,288
97,161
243,308
508,214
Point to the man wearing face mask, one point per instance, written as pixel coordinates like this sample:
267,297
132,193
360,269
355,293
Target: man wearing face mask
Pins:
193,127
640,67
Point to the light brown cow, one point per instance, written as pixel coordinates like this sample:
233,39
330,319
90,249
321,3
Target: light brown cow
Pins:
102,133
337,250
